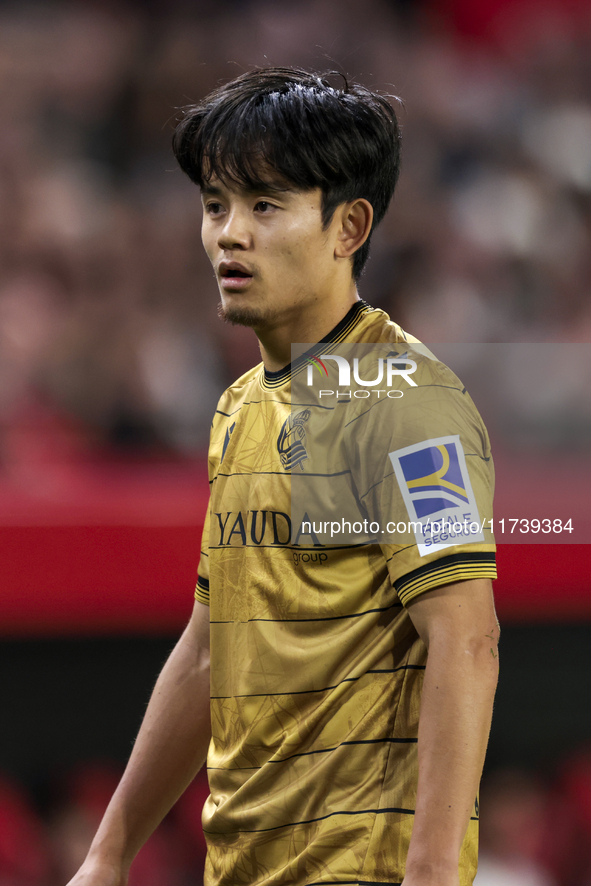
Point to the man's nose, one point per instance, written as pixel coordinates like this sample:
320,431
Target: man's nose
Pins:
235,232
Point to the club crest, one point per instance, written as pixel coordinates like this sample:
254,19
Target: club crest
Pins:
290,442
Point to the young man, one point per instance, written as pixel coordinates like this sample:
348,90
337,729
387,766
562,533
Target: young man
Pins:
351,684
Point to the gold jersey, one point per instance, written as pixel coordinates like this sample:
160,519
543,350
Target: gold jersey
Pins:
316,667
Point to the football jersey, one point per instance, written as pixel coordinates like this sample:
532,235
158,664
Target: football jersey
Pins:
316,667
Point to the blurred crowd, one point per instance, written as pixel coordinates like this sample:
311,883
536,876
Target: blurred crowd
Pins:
533,832
109,336
44,843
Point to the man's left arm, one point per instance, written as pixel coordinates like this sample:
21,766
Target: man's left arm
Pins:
458,624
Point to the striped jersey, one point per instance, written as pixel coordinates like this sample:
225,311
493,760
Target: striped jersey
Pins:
316,667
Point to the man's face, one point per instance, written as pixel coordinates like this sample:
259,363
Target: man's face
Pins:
271,256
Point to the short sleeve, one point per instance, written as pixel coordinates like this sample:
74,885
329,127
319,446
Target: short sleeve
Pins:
464,563
202,588
431,471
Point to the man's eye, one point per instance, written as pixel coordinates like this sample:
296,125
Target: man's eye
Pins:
214,208
264,206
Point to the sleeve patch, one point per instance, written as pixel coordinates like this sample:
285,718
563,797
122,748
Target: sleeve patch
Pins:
437,493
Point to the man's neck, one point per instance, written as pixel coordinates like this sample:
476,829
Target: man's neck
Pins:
309,327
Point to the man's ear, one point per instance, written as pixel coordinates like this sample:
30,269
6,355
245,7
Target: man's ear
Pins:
355,225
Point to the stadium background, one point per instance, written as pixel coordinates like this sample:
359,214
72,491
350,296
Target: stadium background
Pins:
112,359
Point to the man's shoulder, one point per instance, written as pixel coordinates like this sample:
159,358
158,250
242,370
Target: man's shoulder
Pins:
377,326
235,392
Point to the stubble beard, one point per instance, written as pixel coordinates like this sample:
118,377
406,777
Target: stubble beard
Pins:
245,316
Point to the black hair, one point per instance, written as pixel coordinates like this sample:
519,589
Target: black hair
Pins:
342,139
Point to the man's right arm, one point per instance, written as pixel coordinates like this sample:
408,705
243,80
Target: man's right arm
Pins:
170,749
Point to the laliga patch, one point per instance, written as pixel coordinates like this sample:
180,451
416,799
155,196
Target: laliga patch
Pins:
436,489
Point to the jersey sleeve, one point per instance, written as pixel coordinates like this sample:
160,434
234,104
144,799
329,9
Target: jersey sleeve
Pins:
202,588
431,481
217,447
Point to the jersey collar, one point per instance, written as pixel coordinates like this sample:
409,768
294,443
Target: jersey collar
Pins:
270,381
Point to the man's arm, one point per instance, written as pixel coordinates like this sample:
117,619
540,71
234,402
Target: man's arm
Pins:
170,749
458,624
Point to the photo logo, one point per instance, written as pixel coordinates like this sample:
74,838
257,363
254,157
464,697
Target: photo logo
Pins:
437,492
387,369
315,361
384,371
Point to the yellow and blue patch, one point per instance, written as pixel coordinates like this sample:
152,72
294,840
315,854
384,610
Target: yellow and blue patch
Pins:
434,478
437,492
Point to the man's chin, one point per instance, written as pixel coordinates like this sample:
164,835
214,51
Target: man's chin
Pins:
243,316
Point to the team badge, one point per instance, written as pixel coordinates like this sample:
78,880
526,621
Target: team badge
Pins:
291,439
437,492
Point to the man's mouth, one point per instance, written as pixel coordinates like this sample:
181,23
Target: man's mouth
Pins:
234,276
